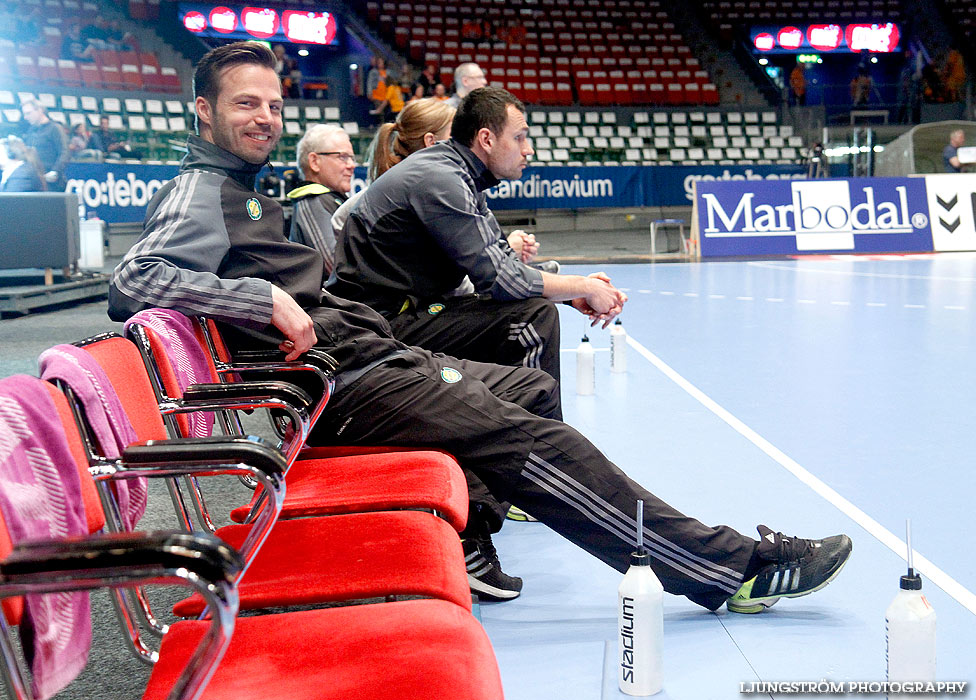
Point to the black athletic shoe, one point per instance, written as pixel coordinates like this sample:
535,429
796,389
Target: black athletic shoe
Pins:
485,575
796,567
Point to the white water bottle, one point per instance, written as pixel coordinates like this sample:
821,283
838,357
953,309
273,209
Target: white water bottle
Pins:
585,368
640,622
618,347
910,631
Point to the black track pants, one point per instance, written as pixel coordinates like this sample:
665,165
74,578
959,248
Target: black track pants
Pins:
541,465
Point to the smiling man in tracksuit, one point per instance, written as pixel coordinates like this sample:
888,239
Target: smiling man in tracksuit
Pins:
211,245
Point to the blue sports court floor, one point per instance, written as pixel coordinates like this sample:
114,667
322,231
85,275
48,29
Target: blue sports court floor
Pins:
817,396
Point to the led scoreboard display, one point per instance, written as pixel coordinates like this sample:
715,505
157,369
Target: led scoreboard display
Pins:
827,38
264,23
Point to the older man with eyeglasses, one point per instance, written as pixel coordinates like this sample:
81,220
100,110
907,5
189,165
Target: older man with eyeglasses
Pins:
327,164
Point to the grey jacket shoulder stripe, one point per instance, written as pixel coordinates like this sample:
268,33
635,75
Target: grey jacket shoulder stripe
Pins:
316,222
175,263
508,276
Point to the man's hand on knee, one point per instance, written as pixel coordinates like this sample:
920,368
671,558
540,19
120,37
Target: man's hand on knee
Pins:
296,325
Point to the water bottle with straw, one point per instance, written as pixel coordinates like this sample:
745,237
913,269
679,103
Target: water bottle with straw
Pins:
640,613
910,629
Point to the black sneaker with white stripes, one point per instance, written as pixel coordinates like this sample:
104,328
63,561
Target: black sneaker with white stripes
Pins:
485,575
796,567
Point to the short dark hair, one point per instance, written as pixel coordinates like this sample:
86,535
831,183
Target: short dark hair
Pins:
206,77
486,107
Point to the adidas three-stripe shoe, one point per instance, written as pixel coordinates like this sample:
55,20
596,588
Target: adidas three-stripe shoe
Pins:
485,575
796,567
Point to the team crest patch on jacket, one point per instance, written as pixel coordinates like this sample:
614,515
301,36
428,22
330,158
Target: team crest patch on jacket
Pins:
253,208
435,309
450,375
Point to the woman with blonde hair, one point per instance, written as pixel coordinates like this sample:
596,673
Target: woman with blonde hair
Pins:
421,123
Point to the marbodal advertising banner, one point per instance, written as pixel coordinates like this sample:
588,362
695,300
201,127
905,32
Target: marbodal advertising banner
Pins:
865,215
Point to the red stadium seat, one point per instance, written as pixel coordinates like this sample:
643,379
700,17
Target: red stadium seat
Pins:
27,68
170,79
47,70
68,70
112,77
675,94
90,75
709,94
131,76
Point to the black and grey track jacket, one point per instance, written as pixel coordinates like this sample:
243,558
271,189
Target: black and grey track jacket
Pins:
212,245
420,228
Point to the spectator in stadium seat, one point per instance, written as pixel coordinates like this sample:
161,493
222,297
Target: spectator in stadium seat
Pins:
467,77
21,170
950,154
428,79
392,103
327,163
106,140
49,141
954,75
440,92
96,33
74,48
80,143
376,81
9,21
212,245
861,86
798,85
471,29
28,30
287,69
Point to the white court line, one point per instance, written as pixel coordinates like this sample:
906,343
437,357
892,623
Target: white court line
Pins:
941,579
848,273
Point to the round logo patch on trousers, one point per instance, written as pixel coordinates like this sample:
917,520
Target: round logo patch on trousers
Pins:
253,208
450,375
435,309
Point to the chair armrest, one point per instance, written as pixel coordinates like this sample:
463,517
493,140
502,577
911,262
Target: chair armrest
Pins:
128,557
314,357
173,455
134,559
240,392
